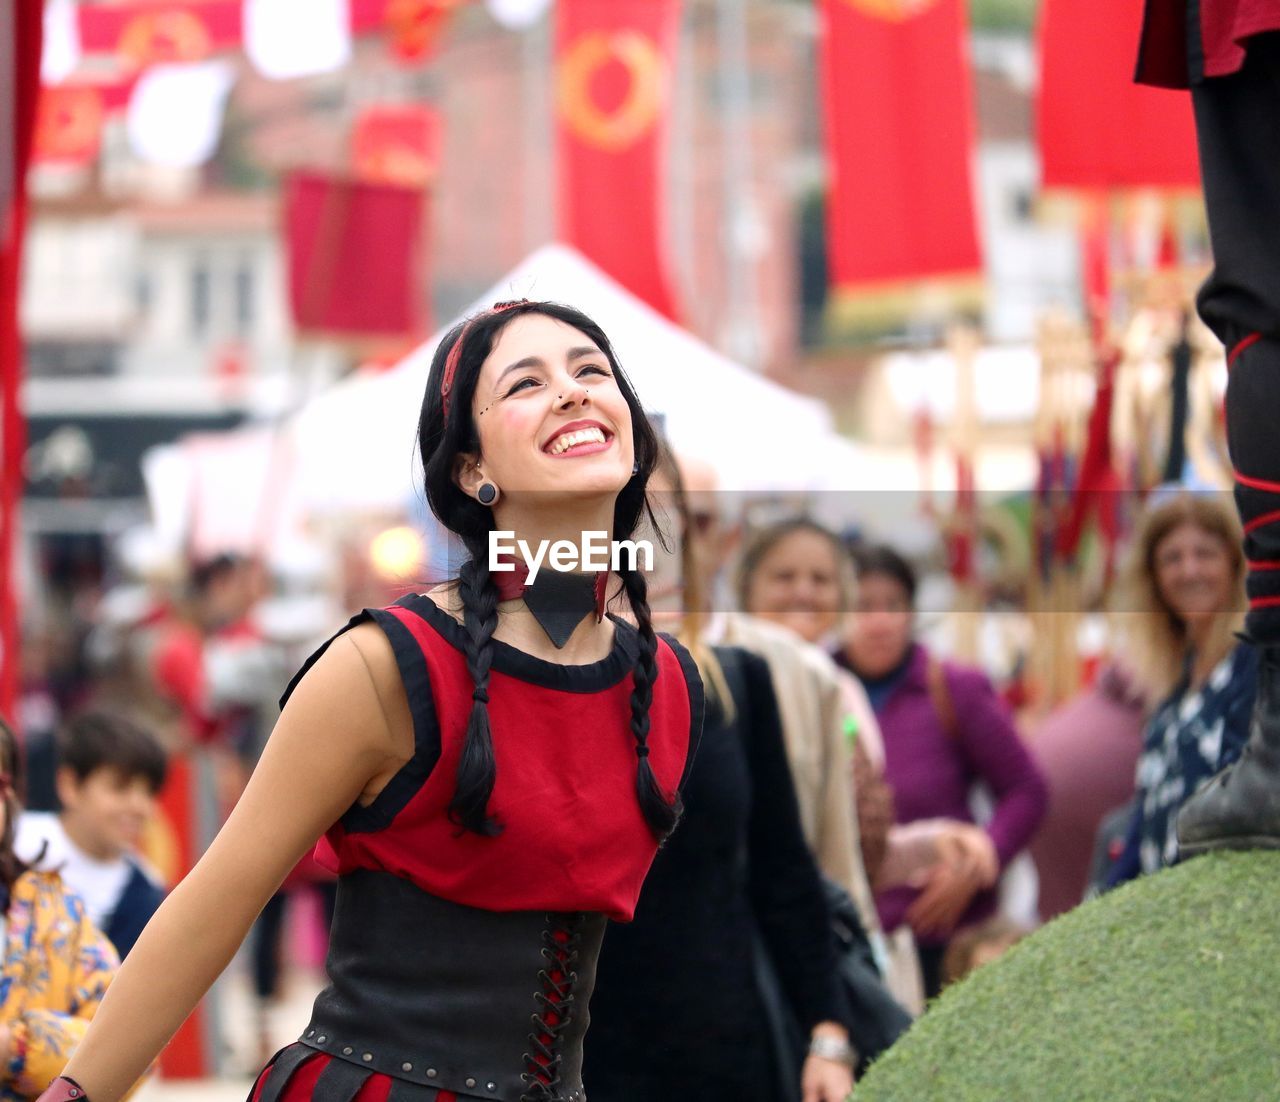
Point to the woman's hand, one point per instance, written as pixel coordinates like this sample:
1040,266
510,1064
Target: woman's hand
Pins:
824,1079
970,850
967,863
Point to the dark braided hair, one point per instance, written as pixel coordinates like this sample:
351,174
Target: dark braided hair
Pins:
660,813
477,769
441,439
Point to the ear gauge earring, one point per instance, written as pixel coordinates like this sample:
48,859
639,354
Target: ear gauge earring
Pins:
487,494
635,468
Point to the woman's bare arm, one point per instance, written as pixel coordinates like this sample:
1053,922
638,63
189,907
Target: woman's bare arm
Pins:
344,732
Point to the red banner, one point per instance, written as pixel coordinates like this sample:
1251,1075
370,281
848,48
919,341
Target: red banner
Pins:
900,139
21,23
397,143
152,32
356,256
413,27
614,64
70,118
1098,129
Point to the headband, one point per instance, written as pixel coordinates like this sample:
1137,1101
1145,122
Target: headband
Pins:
455,353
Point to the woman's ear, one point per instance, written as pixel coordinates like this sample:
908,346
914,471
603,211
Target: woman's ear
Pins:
466,473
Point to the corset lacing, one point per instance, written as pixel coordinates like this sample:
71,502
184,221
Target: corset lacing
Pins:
561,939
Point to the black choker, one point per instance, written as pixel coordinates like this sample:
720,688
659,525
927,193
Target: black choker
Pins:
559,600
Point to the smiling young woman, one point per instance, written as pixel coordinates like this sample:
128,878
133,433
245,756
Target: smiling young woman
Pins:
492,769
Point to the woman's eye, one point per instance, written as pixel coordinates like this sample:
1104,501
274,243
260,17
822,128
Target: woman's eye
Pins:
521,385
596,368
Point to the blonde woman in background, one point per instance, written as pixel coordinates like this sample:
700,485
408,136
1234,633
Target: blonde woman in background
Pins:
1182,601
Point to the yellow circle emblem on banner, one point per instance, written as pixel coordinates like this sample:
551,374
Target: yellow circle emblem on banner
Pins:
167,36
894,11
646,72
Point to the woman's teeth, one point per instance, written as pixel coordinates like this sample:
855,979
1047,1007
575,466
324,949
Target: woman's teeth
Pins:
568,440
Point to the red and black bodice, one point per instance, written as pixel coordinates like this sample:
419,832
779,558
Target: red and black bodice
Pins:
461,965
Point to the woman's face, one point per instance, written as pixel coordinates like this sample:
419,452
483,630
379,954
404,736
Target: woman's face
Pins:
550,415
881,626
1193,573
797,584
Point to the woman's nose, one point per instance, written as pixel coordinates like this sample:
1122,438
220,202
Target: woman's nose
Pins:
575,395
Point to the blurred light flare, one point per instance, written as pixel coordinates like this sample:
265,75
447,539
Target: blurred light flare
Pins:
397,553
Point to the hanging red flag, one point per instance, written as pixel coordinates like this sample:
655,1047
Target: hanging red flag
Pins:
900,138
356,256
397,143
69,123
21,25
70,118
152,32
614,61
1098,129
413,27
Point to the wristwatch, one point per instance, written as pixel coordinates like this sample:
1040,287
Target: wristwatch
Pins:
827,1047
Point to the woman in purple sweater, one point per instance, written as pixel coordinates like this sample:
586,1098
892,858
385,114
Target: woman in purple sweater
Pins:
944,730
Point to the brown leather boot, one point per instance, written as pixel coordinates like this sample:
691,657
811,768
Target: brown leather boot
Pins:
1240,807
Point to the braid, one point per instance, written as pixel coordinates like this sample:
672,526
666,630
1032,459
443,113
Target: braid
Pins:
659,812
477,769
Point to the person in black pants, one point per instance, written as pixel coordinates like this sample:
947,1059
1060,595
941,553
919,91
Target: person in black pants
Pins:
1228,53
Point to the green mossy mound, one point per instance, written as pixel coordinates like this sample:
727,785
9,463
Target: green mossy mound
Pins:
1168,988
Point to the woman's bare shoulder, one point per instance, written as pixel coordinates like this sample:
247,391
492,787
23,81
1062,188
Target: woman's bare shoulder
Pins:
446,598
357,676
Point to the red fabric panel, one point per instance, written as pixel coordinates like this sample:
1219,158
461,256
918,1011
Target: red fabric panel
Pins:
397,143
148,32
899,134
356,257
1162,50
1097,128
1226,25
413,27
23,24
563,759
614,66
70,118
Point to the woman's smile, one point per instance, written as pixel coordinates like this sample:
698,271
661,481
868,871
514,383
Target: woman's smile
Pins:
578,438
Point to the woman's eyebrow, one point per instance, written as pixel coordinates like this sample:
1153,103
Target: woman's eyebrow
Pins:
578,353
520,365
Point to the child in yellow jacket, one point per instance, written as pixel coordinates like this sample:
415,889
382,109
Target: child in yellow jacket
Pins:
56,964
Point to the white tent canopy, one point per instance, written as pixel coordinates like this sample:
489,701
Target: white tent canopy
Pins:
353,447
757,434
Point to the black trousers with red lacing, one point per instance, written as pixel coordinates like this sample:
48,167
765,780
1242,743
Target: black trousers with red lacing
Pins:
1238,130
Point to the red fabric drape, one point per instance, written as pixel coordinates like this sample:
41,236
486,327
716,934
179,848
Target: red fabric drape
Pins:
397,143
614,65
1098,129
155,31
356,258
414,28
22,25
900,136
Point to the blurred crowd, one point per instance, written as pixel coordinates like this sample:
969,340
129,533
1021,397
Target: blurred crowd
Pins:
886,791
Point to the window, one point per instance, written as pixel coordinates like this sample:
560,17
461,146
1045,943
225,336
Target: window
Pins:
243,292
201,301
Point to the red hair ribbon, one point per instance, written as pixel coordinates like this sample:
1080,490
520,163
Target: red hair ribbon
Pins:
455,353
